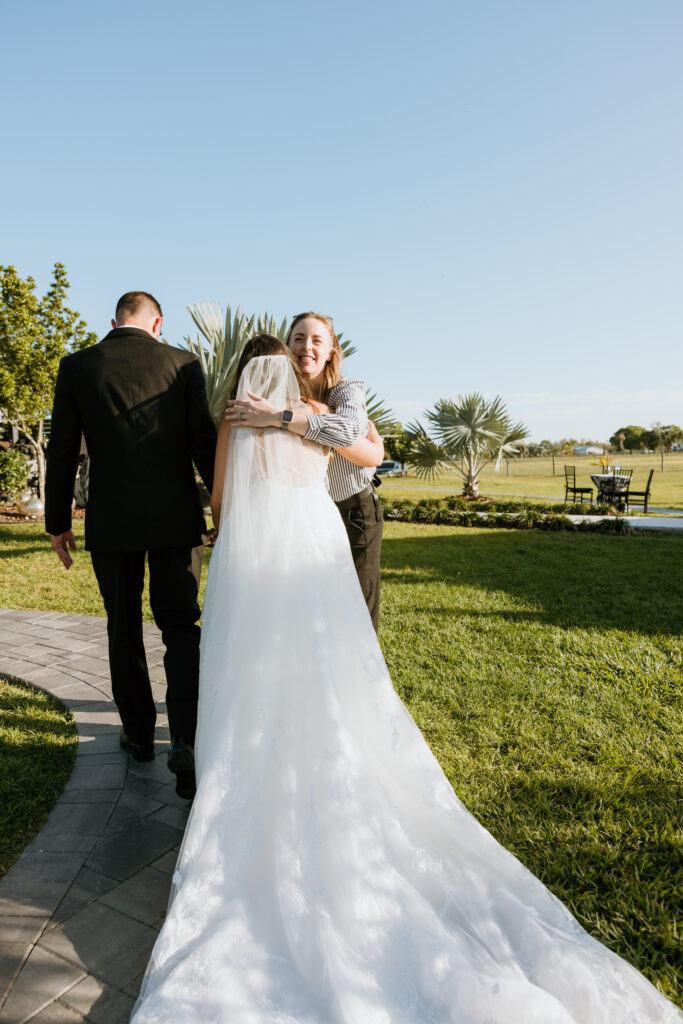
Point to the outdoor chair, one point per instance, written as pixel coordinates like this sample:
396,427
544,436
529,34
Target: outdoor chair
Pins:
571,488
641,497
614,491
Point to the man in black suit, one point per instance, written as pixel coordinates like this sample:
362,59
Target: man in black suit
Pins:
143,410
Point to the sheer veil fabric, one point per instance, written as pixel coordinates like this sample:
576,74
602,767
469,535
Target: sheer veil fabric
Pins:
328,873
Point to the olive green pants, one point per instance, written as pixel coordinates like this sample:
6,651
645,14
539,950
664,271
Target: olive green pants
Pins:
364,522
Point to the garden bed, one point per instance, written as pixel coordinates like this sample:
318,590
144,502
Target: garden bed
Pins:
10,512
454,510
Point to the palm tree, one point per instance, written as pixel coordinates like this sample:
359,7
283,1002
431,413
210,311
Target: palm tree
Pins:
226,338
465,435
221,346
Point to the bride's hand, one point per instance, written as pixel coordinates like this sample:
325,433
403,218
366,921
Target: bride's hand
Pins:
256,412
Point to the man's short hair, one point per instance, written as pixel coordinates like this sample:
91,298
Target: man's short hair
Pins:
133,303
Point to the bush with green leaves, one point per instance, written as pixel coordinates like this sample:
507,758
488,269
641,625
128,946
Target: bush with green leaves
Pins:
14,473
35,333
456,511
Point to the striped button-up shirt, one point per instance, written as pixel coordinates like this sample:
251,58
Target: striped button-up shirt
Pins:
339,428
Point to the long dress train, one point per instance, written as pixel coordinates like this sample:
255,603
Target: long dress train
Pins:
329,874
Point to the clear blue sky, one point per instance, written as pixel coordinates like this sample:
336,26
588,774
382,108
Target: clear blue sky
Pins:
486,195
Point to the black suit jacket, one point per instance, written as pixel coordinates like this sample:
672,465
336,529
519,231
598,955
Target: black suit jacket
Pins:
142,407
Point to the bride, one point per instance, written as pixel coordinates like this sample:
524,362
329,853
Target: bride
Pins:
328,873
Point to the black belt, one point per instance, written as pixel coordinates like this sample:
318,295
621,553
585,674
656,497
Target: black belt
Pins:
353,500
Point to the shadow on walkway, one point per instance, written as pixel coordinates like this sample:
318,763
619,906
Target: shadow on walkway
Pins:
81,908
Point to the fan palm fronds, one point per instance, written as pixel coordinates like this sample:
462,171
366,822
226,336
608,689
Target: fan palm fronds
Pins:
347,347
426,456
466,433
380,414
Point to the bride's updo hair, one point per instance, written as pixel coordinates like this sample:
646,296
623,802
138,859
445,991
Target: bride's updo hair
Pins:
269,345
333,368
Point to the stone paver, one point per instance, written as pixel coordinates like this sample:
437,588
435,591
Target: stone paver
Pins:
103,942
100,1003
81,908
143,896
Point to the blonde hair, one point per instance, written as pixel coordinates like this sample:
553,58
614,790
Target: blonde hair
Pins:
332,374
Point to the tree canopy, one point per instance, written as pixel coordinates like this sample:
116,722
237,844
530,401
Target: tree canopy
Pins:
398,444
633,438
658,436
35,333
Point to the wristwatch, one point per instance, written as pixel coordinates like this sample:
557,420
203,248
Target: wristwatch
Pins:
286,418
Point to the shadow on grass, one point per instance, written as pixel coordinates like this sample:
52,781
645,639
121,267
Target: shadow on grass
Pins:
18,539
569,580
20,552
619,853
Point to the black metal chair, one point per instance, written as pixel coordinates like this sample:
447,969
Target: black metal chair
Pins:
571,488
615,490
642,497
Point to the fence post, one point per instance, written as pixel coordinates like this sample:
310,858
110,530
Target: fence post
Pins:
553,465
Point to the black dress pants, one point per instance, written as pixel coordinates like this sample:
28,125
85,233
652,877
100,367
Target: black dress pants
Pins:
364,521
173,588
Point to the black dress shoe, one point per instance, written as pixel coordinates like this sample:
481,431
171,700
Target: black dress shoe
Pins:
185,785
180,756
140,751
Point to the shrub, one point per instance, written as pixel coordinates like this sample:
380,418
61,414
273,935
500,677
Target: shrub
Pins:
513,515
14,473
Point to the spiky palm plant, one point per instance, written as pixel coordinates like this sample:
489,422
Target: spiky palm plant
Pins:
465,434
226,338
267,324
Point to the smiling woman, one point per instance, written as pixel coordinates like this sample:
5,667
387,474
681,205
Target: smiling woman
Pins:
37,747
314,344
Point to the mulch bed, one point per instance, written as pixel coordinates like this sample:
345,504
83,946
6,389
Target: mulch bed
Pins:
10,512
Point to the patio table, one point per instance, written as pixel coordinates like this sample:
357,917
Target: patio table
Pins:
611,487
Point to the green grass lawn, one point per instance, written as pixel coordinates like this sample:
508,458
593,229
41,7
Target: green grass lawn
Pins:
545,670
534,478
37,750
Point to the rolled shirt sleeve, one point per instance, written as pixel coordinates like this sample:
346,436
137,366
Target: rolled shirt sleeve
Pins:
348,420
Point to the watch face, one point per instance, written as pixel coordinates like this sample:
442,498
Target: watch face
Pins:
287,416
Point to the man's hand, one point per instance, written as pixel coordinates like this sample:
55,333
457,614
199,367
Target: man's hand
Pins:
59,543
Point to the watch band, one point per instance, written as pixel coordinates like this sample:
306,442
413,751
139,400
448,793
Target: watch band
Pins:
287,416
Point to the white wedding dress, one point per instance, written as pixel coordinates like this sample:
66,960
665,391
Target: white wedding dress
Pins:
329,874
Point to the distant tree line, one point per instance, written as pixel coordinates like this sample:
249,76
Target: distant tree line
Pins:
636,439
658,437
565,446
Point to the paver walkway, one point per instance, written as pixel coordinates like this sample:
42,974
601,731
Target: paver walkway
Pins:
81,908
669,525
